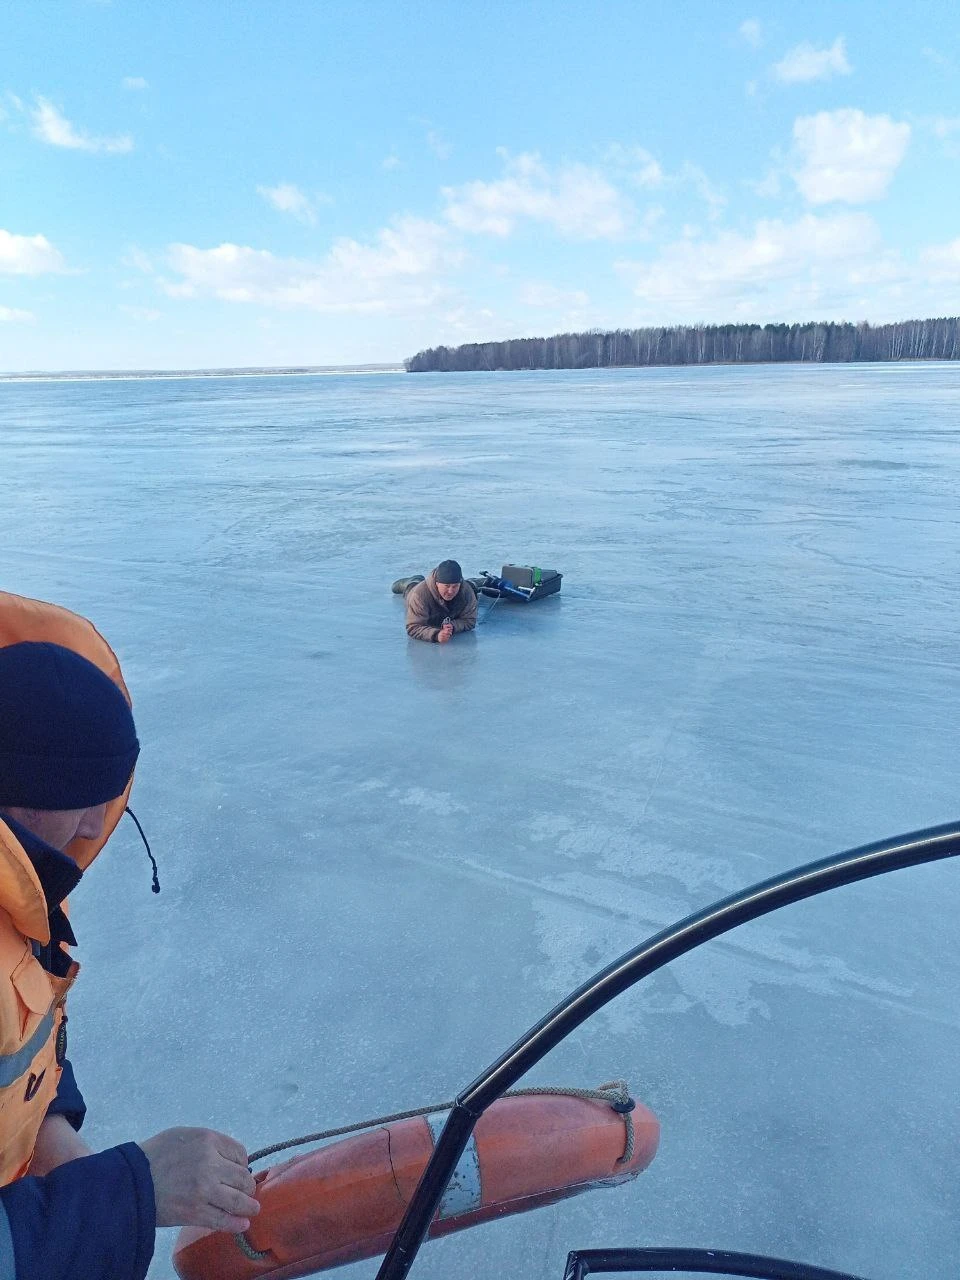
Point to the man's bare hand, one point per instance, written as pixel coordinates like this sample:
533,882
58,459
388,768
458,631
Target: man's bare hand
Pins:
445,633
200,1179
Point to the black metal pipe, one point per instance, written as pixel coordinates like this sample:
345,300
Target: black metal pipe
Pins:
586,1262
758,900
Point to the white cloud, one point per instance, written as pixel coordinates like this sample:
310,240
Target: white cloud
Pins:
638,167
28,255
53,128
946,128
767,187
641,168
846,155
752,33
468,324
938,58
438,144
392,161
149,314
942,262
704,188
288,198
805,63
435,140
401,271
12,315
577,201
136,258
782,270
134,83
538,294
650,220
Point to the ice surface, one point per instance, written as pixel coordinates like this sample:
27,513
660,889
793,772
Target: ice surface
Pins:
383,860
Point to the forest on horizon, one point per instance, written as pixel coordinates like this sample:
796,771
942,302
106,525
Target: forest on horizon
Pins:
821,343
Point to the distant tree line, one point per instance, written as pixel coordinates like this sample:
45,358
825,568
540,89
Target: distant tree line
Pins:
703,344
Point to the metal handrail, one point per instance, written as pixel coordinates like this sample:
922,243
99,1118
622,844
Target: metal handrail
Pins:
760,899
588,1262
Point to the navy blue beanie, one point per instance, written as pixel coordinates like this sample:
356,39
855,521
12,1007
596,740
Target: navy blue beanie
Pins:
448,572
67,737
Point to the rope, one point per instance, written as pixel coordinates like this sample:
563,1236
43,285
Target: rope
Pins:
247,1249
614,1092
488,610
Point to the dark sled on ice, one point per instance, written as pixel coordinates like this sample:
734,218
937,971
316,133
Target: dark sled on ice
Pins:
519,582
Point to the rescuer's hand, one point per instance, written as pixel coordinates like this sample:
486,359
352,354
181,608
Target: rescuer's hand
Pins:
200,1179
445,633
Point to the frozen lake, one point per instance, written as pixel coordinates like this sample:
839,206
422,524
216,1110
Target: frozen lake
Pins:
383,860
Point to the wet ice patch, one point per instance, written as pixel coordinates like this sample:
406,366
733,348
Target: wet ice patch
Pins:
572,839
439,802
584,923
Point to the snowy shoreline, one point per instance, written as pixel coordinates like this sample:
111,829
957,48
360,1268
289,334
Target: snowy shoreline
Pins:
167,375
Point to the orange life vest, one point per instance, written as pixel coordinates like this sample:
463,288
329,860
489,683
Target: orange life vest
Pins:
32,1000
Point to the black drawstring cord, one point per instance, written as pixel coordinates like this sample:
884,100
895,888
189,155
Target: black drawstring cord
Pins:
156,880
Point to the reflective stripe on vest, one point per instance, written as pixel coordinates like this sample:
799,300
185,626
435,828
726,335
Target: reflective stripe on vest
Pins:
8,1262
13,1065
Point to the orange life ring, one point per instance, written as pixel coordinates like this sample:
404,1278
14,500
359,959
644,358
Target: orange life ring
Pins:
344,1202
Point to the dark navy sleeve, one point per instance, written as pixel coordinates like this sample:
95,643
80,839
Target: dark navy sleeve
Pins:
94,1217
69,1100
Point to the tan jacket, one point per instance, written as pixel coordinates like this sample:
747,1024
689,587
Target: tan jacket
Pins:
426,609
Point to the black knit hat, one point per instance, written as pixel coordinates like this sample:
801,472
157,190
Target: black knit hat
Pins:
67,737
448,572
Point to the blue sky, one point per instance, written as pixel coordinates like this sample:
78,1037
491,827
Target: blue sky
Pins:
213,184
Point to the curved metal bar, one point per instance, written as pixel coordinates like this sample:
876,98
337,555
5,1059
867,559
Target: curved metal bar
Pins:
587,1262
760,899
